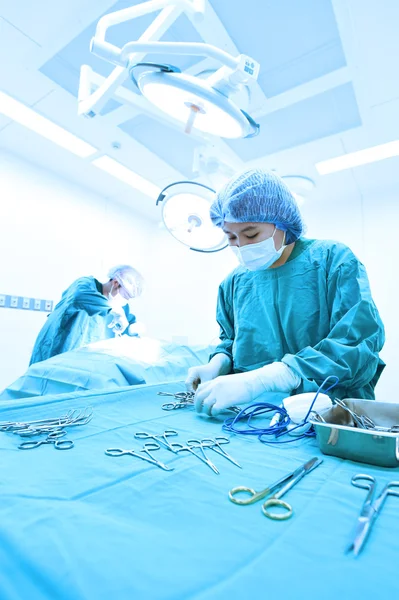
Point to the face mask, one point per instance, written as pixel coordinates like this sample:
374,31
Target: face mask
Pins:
117,301
256,257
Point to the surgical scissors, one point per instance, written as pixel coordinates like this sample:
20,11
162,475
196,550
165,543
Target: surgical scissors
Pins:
216,446
289,480
52,438
184,399
146,450
159,439
191,444
371,508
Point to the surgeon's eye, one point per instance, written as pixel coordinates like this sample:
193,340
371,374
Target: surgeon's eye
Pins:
251,237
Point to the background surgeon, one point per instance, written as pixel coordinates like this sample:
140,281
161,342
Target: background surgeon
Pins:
294,312
85,311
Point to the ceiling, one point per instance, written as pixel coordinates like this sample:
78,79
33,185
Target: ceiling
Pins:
328,85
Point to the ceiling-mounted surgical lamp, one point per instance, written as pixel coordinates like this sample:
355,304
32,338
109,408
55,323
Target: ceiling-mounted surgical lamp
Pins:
185,213
202,104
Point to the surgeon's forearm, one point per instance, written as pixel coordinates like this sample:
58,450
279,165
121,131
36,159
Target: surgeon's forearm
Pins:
221,364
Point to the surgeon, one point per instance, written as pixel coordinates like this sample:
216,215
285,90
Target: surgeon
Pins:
87,308
295,311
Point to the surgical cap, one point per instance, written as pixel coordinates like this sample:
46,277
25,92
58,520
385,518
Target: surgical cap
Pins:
258,196
129,278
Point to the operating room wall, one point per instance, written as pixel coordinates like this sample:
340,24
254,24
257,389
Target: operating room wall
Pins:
52,232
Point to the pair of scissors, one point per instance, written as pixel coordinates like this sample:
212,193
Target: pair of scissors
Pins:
289,480
371,508
191,444
216,445
158,439
144,454
52,438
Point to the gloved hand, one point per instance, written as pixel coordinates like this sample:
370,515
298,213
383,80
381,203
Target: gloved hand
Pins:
119,322
221,393
220,364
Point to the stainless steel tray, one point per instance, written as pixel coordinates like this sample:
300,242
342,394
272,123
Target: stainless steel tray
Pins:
337,437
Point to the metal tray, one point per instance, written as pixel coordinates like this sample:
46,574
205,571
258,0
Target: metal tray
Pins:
338,437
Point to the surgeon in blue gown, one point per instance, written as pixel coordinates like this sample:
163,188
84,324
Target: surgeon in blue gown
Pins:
295,311
87,310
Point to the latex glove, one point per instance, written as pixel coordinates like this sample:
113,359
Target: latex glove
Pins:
223,392
137,329
119,322
220,364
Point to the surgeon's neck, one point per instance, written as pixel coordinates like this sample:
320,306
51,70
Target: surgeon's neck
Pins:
284,257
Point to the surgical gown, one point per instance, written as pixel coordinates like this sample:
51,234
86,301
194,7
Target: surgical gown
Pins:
78,319
315,313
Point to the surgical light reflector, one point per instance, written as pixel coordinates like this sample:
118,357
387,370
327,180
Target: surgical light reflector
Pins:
185,213
26,116
191,101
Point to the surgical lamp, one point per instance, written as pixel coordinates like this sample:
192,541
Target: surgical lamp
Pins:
185,213
205,105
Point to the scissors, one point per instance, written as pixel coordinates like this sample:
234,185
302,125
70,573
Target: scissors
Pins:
158,439
371,508
191,444
144,454
184,399
216,446
289,480
52,438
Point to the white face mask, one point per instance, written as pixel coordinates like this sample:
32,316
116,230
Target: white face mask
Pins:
256,257
117,301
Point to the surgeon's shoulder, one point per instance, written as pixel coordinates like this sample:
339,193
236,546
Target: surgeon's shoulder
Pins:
334,254
228,281
84,284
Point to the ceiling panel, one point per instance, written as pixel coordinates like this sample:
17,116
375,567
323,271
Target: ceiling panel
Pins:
326,114
293,41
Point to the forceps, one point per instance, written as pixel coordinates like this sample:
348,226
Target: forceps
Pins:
184,399
191,444
52,438
158,439
216,446
289,480
371,508
146,450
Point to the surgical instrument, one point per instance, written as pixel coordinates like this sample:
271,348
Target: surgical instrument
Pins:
191,444
71,418
371,508
143,454
281,487
184,399
52,438
159,439
216,446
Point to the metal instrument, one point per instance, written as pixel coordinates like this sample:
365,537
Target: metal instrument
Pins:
184,399
29,428
159,439
191,445
371,508
52,438
277,489
216,445
143,454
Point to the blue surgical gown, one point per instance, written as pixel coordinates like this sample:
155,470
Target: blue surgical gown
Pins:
79,318
315,313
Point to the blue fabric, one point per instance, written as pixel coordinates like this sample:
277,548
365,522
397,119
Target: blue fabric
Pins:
108,365
77,319
80,525
315,313
258,196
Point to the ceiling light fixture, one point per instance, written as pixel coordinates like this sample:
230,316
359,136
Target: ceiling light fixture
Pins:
29,118
115,168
